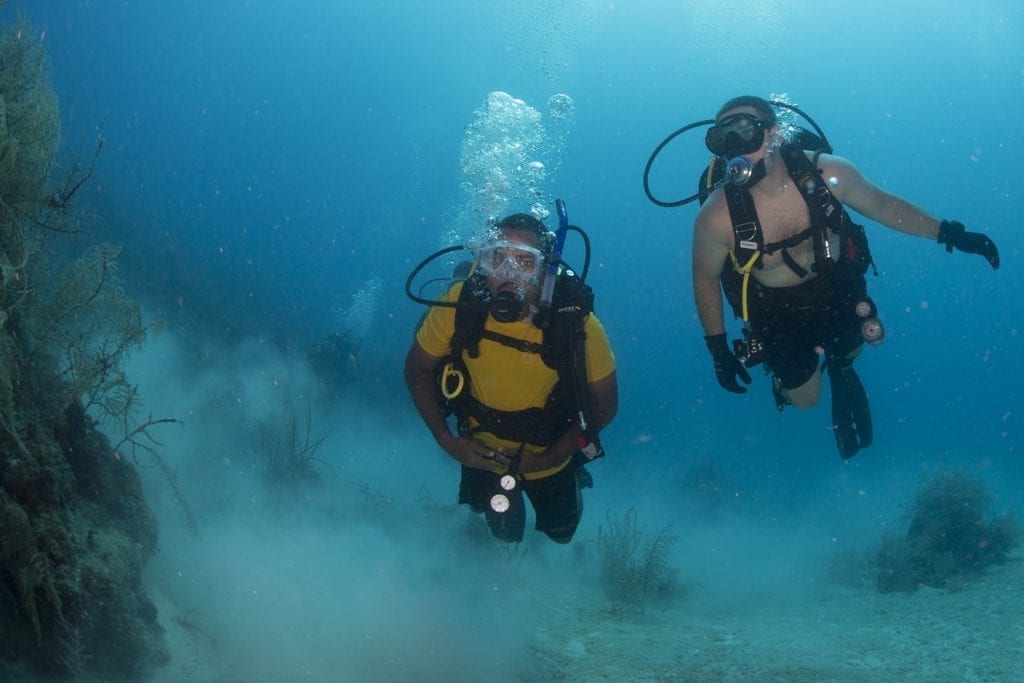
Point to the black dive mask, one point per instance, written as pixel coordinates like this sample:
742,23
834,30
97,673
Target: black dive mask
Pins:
506,307
736,135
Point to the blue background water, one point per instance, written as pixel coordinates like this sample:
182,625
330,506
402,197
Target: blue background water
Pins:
263,161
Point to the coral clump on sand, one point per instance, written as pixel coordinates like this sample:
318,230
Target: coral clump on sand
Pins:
75,531
952,533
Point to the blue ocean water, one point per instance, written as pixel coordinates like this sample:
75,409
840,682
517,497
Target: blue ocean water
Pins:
272,167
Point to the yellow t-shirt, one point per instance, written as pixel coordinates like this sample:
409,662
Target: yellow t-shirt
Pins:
504,378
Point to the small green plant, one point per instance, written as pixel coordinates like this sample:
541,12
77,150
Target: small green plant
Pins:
635,566
289,451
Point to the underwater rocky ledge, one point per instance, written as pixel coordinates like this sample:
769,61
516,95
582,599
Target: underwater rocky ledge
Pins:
75,531
76,534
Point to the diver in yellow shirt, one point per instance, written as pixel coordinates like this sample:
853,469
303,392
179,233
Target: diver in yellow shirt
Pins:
529,377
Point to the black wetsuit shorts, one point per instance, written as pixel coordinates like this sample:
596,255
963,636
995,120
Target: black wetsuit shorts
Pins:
794,323
556,500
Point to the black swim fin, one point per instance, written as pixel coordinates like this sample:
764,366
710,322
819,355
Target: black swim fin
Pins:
780,399
851,414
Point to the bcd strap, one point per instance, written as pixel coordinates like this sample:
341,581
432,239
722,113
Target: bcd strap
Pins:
537,426
471,313
824,209
512,342
572,302
793,265
746,226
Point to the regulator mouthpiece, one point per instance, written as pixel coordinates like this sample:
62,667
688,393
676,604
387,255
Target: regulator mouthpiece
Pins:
507,307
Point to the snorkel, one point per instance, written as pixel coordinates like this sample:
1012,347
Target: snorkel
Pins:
547,292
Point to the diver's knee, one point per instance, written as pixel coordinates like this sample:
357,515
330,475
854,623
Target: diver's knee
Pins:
802,401
807,394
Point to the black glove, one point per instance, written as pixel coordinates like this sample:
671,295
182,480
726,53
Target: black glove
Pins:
955,236
727,365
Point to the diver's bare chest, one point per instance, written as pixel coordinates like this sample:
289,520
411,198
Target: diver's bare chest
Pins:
782,216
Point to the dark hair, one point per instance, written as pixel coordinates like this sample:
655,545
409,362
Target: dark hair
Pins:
527,223
763,107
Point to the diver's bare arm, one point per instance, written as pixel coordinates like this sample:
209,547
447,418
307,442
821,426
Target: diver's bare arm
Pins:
709,254
863,196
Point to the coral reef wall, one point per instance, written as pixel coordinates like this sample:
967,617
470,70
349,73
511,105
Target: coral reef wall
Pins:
75,531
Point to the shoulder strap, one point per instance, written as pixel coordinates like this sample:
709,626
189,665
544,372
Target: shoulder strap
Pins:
826,212
746,227
470,316
565,351
512,342
572,302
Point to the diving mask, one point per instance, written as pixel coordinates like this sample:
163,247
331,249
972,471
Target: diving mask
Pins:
510,261
736,135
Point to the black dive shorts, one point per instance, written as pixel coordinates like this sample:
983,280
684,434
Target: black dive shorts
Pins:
556,501
794,322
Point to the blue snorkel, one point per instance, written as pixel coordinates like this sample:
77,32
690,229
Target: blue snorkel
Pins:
589,444
547,292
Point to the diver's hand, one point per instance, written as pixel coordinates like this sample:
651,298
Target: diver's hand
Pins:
727,366
955,236
476,455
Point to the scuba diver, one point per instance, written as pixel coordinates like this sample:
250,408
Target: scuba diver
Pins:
516,353
775,237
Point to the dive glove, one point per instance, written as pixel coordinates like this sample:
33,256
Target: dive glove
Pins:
955,236
727,366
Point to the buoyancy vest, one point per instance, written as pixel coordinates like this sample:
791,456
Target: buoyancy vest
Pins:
561,349
827,217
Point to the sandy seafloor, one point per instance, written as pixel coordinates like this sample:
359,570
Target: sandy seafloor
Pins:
829,634
820,631
344,582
